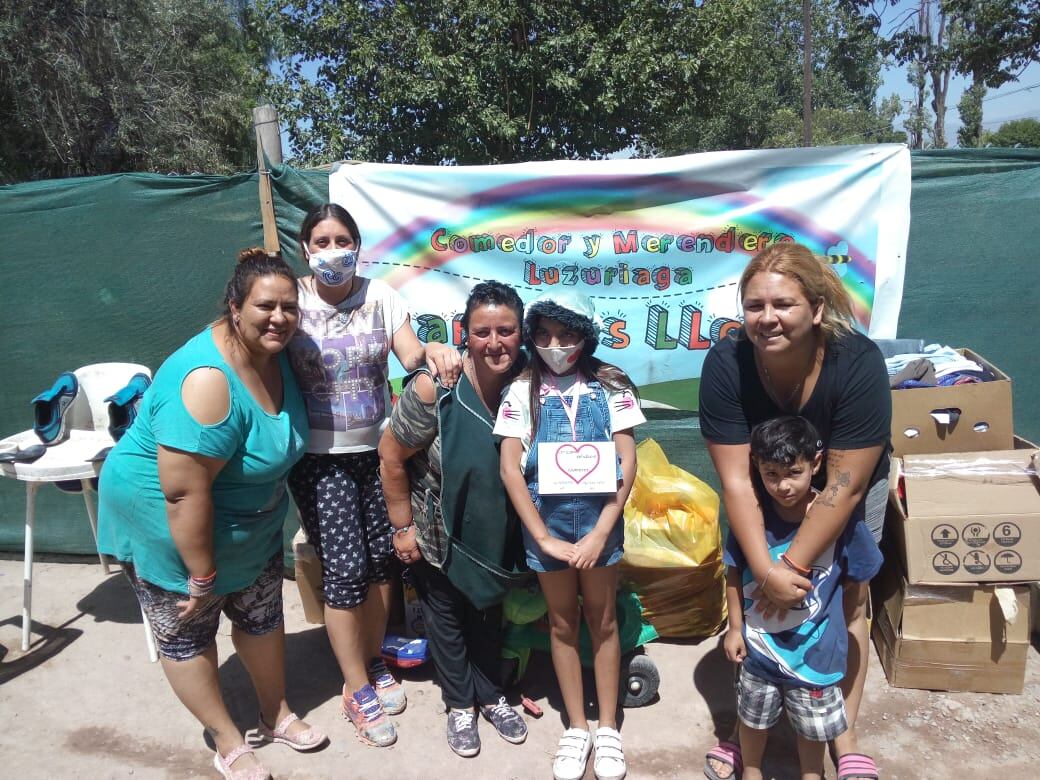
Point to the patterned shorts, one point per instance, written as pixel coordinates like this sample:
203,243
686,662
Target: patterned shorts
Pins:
256,610
816,714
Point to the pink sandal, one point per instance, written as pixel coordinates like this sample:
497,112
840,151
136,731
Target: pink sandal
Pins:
223,765
860,765
310,739
728,754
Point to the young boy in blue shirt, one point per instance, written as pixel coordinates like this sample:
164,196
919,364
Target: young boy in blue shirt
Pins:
794,659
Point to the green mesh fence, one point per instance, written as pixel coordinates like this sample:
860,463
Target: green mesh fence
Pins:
127,267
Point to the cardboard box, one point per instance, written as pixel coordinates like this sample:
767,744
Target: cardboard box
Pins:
967,517
953,637
414,625
308,579
922,420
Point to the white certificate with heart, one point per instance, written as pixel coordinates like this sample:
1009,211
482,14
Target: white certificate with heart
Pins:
566,467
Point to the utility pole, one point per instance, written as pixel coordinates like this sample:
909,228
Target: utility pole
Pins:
269,143
806,72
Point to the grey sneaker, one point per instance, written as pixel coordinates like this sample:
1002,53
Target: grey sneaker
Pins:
507,721
462,732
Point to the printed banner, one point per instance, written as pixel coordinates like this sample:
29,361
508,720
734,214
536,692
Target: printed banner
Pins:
659,245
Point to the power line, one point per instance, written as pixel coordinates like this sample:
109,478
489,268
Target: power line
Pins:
1012,92
1032,115
997,97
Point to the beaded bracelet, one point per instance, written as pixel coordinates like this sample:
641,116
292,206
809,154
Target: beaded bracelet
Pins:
794,566
402,529
200,587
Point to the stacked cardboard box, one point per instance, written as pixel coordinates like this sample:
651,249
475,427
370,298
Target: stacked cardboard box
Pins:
952,605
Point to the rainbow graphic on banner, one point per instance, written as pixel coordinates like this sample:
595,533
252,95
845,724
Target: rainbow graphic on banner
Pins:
654,249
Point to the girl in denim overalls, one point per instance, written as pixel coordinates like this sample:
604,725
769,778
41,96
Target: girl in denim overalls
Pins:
573,542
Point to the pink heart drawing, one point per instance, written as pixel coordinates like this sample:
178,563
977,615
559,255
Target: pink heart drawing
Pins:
576,464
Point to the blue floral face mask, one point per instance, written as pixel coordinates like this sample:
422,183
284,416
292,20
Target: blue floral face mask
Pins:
333,267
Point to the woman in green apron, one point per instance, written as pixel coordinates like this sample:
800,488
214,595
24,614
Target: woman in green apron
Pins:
453,525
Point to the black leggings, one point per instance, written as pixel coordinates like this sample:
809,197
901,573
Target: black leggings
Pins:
466,642
340,498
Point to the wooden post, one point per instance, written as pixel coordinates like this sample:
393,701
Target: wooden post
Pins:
806,73
269,141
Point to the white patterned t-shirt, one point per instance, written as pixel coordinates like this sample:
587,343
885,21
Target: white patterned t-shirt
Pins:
339,355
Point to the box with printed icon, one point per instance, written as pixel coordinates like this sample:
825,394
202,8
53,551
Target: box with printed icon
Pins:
967,517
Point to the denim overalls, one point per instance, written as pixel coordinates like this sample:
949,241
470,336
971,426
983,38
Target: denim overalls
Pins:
570,517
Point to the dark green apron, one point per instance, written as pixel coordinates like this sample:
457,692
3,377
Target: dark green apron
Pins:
485,548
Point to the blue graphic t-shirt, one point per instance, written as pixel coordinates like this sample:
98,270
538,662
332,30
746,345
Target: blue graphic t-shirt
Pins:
808,648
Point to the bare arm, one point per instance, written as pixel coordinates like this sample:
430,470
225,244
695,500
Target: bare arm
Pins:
733,642
392,459
443,361
516,489
733,464
590,547
848,478
186,479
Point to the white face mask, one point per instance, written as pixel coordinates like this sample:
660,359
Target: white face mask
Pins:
333,267
560,360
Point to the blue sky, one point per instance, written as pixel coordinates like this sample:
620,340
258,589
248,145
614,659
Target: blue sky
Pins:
1014,100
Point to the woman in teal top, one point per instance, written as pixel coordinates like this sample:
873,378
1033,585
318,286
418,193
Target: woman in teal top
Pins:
192,501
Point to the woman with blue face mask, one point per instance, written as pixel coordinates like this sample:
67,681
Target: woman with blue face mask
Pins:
348,327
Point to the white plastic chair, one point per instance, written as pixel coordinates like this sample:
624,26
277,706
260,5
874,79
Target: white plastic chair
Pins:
73,459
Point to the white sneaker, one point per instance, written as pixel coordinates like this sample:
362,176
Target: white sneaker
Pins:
610,758
572,754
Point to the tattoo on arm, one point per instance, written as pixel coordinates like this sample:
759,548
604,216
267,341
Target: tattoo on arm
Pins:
837,478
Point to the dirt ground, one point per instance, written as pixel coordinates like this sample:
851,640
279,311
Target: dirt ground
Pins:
85,702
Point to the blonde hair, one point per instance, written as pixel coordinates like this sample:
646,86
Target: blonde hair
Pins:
818,281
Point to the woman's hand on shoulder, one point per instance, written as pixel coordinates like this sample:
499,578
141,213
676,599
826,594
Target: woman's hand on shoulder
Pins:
444,362
425,388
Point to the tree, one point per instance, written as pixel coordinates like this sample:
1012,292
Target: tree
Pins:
749,80
464,81
1019,132
988,39
917,121
970,109
837,127
101,86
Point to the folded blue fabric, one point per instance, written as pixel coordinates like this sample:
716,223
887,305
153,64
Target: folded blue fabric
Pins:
50,409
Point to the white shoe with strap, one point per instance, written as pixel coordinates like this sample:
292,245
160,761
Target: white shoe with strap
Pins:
609,763
572,754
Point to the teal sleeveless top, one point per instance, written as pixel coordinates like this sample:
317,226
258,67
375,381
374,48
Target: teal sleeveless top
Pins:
249,495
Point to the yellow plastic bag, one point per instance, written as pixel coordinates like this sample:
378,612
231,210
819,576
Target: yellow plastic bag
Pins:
673,548
671,517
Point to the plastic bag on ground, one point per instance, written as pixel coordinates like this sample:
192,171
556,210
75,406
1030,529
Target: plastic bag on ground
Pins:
673,548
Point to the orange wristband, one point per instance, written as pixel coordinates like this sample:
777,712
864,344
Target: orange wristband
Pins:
794,566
